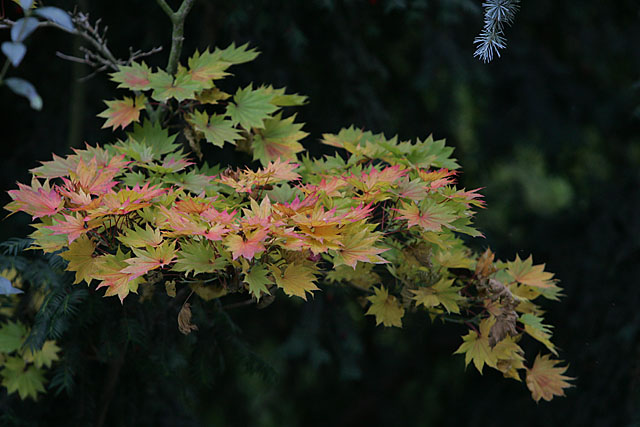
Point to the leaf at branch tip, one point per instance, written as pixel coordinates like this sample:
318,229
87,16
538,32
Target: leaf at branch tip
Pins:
22,87
15,52
386,308
546,380
258,281
476,346
523,271
122,112
296,280
55,15
184,320
135,76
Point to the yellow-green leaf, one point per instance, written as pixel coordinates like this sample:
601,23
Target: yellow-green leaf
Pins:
386,308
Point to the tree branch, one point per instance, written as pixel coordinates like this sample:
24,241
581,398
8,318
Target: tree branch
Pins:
177,34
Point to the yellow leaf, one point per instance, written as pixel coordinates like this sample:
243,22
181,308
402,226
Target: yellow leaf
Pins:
297,280
386,308
81,258
545,380
476,346
441,293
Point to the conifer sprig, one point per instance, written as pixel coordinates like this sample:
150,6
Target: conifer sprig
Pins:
497,13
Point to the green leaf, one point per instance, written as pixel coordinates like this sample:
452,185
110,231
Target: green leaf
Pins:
198,257
28,383
45,356
11,336
215,129
251,107
165,87
206,67
258,281
237,55
155,136
139,237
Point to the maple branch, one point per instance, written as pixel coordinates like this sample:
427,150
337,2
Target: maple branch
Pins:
177,35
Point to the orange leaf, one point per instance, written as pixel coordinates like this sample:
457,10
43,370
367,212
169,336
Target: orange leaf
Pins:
122,112
526,273
545,380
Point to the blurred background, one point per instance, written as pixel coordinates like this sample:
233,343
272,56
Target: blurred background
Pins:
551,130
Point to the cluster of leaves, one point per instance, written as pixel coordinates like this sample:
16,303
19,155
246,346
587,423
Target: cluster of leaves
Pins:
16,49
23,368
381,215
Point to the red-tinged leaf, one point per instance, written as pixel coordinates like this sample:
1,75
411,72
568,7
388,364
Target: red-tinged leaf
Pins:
359,246
179,224
546,380
82,259
385,308
121,113
523,271
72,226
437,179
134,77
108,271
471,197
37,200
94,178
205,67
413,190
278,140
128,200
432,217
149,259
297,280
248,246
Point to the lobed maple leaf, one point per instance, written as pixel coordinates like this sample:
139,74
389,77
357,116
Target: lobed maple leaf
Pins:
359,246
523,271
278,140
149,259
109,272
120,113
258,281
72,226
385,308
476,346
215,129
251,107
134,77
28,381
198,257
297,280
431,217
443,292
165,86
206,66
248,245
82,259
139,237
534,327
546,380
37,200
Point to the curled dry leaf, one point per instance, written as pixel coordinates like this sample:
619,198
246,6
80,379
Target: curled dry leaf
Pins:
184,320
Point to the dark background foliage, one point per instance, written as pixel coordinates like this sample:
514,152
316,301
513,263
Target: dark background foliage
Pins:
551,129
